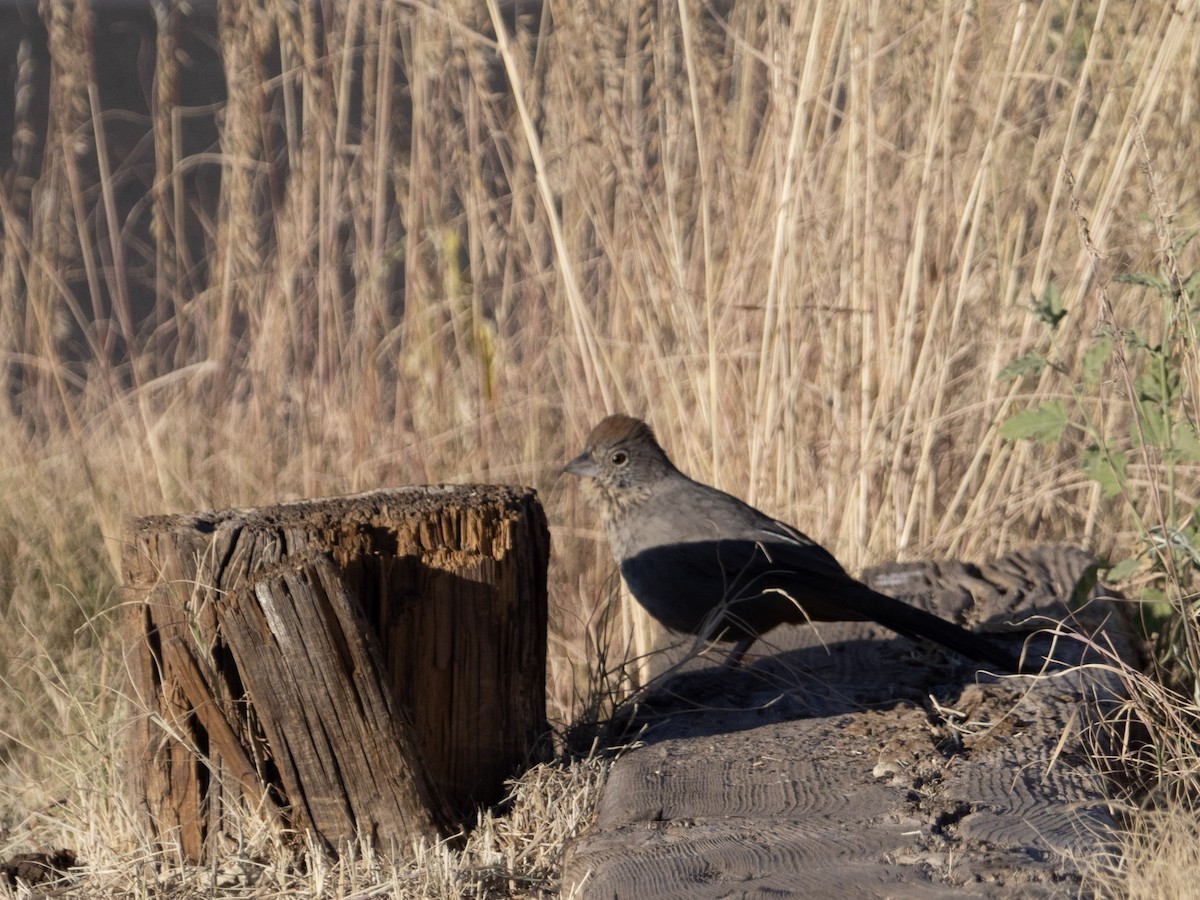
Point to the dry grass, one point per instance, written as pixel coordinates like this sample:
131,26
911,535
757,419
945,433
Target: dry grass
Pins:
801,243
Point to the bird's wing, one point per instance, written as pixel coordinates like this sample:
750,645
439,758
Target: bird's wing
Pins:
787,545
809,574
823,588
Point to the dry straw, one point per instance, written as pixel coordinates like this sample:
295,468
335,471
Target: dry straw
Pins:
436,242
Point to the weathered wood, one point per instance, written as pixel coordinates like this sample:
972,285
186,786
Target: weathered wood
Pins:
359,667
853,763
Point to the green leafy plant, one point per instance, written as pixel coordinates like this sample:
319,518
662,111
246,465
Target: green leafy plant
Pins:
1143,456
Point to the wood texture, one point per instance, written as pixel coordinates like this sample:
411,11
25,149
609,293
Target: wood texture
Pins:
360,667
852,762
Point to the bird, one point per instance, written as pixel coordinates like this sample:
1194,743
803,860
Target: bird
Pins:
705,563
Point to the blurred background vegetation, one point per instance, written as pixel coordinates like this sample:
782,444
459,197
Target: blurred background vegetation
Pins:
259,251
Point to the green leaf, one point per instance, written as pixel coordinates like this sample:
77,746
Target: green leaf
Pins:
1148,430
1044,424
1184,239
1135,341
1153,612
1156,598
1124,570
1106,469
1186,442
1191,284
1029,364
1192,531
1049,307
1094,359
1159,383
1145,279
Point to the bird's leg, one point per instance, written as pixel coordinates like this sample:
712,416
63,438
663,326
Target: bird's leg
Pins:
734,659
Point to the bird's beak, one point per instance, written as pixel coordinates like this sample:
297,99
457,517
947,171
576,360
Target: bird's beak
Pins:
583,465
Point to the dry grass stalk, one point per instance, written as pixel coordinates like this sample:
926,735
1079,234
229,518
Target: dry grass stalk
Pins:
801,241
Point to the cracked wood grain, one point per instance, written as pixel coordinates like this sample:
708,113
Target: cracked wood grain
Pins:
369,666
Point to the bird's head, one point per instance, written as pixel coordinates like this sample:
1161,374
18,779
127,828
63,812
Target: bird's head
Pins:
622,461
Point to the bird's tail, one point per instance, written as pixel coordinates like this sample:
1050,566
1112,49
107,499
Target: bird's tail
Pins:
913,622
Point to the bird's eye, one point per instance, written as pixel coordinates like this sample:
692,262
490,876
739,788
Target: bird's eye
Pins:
619,457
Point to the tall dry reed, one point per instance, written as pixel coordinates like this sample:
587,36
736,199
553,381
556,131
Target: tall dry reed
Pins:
435,242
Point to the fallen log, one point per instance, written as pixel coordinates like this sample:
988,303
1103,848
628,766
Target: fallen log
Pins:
845,761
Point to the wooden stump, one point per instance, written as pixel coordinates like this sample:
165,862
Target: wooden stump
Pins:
369,666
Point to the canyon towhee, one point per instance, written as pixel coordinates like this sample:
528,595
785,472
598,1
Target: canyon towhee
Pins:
703,562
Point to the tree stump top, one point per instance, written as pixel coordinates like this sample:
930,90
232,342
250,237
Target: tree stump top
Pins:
403,504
